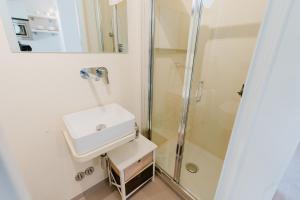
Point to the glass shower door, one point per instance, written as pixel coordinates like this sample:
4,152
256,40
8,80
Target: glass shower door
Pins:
226,41
172,19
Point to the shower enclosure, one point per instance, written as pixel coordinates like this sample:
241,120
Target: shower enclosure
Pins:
201,51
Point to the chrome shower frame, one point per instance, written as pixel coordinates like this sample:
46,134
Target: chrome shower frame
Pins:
174,182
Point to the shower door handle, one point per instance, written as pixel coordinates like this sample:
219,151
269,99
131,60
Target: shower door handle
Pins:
199,91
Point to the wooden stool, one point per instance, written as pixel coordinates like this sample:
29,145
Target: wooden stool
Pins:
131,166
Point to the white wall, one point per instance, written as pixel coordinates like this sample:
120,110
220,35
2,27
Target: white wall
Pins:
38,89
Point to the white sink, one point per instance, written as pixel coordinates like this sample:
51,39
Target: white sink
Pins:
98,130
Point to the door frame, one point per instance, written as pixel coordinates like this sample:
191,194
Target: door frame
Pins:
14,186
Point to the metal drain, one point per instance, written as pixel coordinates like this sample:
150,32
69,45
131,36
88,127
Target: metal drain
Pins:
192,168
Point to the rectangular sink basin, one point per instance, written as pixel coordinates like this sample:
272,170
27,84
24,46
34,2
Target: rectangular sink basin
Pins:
96,128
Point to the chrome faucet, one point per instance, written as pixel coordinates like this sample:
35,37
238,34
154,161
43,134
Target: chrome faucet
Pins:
85,73
102,72
95,73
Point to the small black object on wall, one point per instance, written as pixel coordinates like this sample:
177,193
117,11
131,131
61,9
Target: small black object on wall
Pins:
241,91
24,47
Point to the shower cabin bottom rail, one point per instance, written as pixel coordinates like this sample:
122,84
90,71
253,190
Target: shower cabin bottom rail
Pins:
177,188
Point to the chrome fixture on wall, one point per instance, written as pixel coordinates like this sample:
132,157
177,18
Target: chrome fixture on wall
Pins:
95,73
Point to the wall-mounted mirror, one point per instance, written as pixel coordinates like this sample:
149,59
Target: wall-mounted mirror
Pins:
72,26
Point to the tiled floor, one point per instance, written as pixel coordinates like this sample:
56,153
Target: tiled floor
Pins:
156,190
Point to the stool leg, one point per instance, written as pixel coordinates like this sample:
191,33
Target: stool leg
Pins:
153,166
122,181
109,173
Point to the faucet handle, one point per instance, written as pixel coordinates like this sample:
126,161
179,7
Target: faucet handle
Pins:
85,74
102,72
